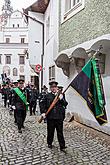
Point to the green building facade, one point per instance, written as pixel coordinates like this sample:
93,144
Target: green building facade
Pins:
89,23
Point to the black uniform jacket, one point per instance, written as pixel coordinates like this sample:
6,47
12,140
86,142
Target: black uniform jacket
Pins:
58,112
32,95
4,93
17,102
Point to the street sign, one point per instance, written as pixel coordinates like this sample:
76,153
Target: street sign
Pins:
38,68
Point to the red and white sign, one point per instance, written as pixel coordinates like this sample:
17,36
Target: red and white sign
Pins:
38,68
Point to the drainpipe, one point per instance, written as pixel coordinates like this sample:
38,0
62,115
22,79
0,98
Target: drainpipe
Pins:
42,55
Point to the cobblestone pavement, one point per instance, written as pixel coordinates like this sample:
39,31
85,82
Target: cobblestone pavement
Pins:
30,148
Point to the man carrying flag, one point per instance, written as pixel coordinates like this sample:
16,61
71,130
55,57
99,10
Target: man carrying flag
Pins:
19,102
55,117
88,84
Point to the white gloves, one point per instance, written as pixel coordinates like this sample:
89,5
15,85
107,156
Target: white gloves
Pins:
13,107
61,96
7,101
43,115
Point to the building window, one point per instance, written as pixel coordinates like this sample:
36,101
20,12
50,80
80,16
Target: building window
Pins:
6,70
22,40
18,25
15,72
69,4
22,77
70,7
8,59
52,73
7,40
47,29
0,58
21,60
13,25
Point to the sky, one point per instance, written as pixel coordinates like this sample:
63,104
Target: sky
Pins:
18,4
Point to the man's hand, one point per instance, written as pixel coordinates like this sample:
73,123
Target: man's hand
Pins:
61,96
13,107
43,115
7,101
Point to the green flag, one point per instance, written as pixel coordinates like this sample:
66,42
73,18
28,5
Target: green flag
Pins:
88,84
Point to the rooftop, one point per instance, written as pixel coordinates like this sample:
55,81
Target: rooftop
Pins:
39,6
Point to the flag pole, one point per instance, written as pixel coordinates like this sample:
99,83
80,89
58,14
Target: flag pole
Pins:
98,51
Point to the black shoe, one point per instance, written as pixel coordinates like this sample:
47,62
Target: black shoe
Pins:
50,146
19,131
63,149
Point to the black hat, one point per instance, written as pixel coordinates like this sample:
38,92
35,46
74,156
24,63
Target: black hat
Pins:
53,83
44,87
7,83
20,80
60,87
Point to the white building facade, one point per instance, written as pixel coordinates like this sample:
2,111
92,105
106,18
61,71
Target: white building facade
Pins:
14,49
48,15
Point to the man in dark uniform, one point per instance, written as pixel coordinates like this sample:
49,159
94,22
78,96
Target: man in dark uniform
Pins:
32,99
19,103
41,99
15,85
8,95
4,94
42,96
55,117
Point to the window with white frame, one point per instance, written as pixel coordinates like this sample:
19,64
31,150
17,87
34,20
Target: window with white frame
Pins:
15,72
69,4
8,59
21,59
52,73
22,40
7,40
70,7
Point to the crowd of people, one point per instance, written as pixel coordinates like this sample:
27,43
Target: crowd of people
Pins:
20,99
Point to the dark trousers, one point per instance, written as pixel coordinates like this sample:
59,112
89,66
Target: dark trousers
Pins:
20,117
51,126
15,115
10,100
5,102
32,107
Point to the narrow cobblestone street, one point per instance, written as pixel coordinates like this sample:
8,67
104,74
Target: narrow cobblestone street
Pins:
30,147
